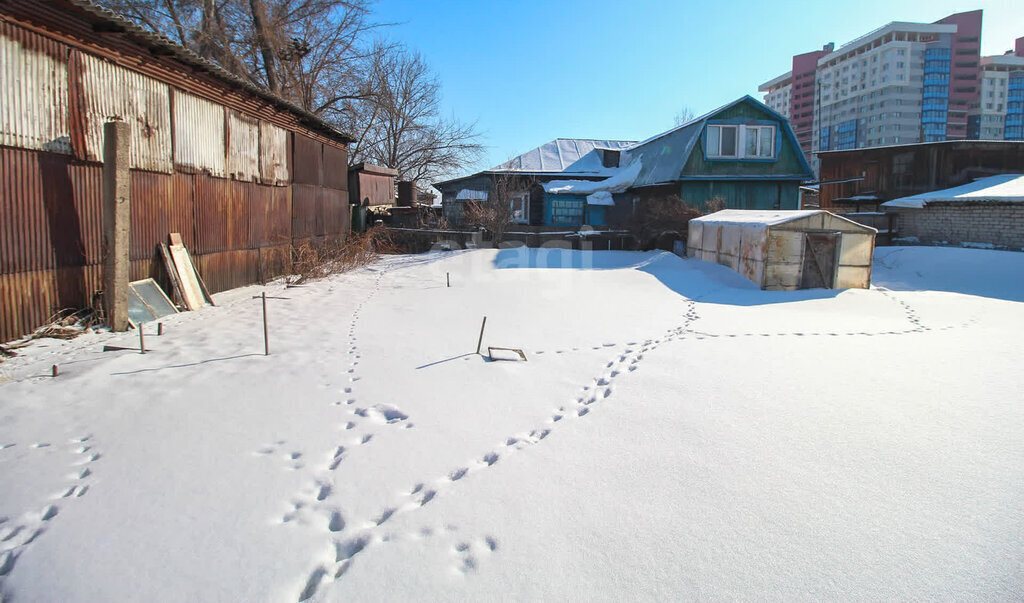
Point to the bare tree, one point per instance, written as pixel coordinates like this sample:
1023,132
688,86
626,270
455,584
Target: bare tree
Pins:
496,214
317,54
399,124
307,51
684,115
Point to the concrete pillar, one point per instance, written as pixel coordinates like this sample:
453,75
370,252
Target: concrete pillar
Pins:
116,222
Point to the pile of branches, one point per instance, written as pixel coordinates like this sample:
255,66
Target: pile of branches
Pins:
311,262
66,324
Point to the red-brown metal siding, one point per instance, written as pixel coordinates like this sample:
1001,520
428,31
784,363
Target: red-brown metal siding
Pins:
307,167
335,167
270,216
50,209
376,189
303,211
228,269
336,211
51,240
31,299
159,207
222,220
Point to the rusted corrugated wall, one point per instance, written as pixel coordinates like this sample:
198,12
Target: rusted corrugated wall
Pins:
198,134
220,177
33,91
274,154
111,92
243,147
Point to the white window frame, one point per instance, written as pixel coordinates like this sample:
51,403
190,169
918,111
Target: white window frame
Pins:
741,141
524,200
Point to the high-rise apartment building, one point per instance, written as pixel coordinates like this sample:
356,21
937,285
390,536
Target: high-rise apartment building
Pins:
1000,111
793,94
901,83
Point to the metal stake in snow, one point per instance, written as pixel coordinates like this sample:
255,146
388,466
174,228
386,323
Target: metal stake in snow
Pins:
142,340
481,340
266,335
448,277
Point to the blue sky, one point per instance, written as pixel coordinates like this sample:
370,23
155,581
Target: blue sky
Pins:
529,71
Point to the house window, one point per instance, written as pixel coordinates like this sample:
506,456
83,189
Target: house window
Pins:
760,141
567,211
741,142
722,141
520,206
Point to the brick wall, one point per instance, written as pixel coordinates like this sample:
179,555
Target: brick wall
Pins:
998,224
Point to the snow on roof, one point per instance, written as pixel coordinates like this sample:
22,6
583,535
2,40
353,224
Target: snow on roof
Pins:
621,180
749,217
600,198
469,194
560,154
1004,187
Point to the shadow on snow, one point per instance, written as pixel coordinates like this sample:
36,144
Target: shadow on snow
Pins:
693,279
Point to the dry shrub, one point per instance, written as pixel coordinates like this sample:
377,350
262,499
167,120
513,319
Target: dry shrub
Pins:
312,262
660,218
656,217
716,203
66,324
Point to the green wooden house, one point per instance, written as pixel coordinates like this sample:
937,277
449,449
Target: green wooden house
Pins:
743,154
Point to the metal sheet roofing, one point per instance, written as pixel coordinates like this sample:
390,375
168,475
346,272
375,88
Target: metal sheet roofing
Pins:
569,155
748,217
1007,188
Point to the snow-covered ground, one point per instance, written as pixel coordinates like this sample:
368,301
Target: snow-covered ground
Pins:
676,433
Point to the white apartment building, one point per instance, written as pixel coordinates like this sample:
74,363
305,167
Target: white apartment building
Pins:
777,92
871,91
988,121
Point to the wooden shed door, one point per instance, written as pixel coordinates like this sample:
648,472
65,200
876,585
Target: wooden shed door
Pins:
819,269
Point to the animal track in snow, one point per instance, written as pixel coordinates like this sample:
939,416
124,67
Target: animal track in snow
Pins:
470,554
15,535
382,413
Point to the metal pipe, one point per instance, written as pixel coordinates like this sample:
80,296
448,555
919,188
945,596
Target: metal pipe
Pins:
481,340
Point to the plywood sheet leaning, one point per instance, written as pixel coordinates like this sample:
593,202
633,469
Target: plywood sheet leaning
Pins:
192,294
177,291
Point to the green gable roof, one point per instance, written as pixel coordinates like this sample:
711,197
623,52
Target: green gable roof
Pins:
677,154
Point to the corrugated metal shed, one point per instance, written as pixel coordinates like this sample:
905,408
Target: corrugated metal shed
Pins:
243,147
786,250
198,134
66,68
273,154
111,92
33,91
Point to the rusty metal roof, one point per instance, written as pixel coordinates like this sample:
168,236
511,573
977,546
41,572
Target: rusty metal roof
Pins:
154,42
